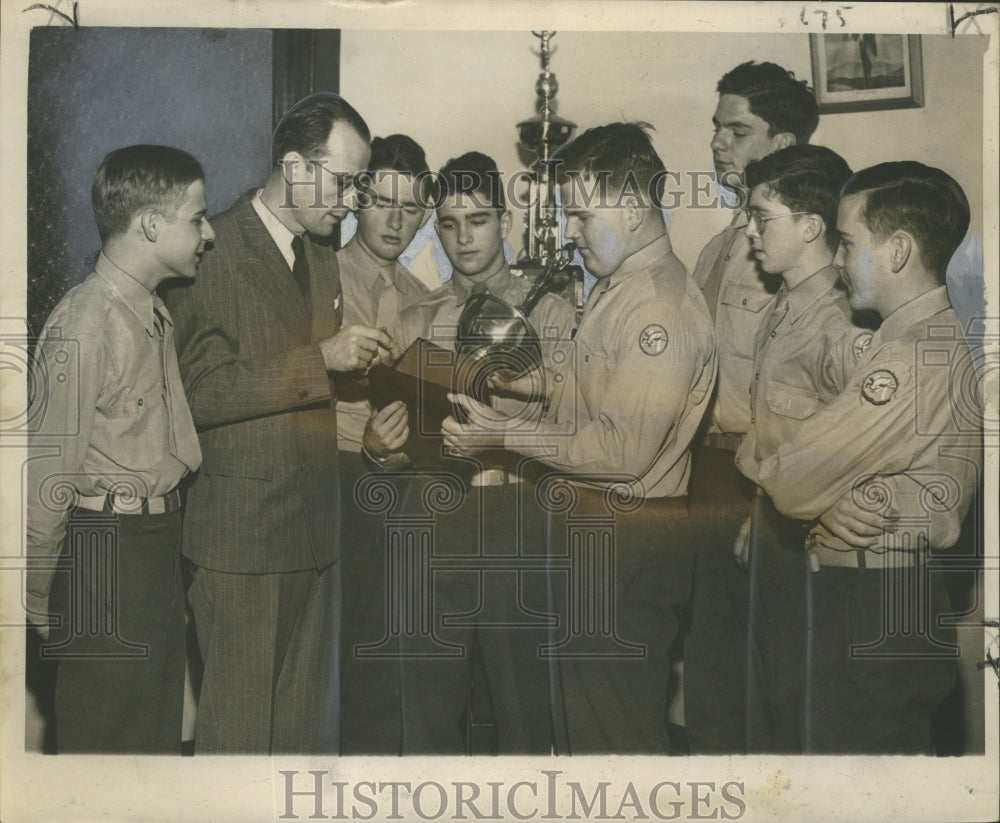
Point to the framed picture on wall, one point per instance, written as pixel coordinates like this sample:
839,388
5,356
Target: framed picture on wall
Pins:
866,72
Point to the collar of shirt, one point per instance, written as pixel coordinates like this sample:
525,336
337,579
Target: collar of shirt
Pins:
280,233
809,291
140,300
739,221
497,284
928,304
368,266
644,259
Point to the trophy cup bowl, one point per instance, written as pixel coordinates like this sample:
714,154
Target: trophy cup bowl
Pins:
495,338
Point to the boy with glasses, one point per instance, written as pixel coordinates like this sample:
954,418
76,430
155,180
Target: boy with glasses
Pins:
799,365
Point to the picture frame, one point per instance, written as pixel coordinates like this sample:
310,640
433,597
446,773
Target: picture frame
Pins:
866,72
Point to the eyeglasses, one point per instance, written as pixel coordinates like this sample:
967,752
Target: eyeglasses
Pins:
759,220
343,181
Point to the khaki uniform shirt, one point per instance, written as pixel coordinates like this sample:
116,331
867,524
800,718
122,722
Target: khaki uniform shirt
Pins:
644,370
109,402
910,414
802,360
374,292
737,293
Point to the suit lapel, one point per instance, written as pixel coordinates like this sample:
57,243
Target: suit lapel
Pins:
325,292
267,269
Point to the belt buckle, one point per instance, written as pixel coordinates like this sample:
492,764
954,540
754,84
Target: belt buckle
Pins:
489,477
126,504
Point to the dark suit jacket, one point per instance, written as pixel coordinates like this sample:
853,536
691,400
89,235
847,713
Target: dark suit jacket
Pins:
267,496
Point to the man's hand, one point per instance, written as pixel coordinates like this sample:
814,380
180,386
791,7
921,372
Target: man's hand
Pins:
857,527
485,427
741,547
356,348
387,430
529,386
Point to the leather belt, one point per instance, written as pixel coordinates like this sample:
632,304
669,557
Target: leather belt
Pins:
126,504
821,555
494,477
721,440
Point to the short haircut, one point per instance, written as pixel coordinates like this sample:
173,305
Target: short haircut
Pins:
135,178
306,126
805,178
402,154
923,201
473,175
615,155
397,152
775,96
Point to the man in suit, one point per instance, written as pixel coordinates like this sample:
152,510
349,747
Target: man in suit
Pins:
258,339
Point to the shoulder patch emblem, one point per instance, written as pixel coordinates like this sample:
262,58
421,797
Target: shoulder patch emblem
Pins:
879,387
862,343
653,339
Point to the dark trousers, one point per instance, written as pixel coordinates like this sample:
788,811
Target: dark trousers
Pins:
776,635
847,663
483,585
715,649
269,645
621,577
371,721
120,682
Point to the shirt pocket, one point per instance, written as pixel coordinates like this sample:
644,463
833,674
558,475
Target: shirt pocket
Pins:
747,298
130,405
791,401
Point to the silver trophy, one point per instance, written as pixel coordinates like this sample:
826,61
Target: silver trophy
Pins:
494,337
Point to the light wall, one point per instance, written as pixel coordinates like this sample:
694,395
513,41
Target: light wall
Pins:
457,91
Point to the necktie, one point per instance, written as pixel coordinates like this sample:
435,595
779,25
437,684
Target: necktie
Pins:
183,439
300,270
386,299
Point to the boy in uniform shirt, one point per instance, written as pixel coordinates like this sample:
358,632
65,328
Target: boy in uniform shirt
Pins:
110,400
761,108
498,516
376,287
888,469
621,433
800,364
